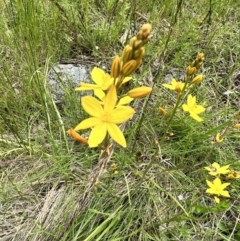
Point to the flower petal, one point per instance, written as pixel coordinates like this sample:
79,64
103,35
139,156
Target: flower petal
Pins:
225,193
116,134
92,106
97,75
102,79
185,107
196,117
124,100
211,191
99,93
217,200
97,135
126,79
191,100
171,87
210,184
199,109
110,99
85,86
121,114
88,123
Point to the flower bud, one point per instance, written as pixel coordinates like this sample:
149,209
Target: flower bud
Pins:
162,111
115,68
129,67
127,54
146,30
191,70
76,136
200,57
219,139
237,126
138,54
197,79
132,41
140,92
138,44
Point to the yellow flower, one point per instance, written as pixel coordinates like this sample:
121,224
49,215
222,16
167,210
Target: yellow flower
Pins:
193,108
233,175
105,118
217,188
175,85
215,169
218,138
102,82
140,92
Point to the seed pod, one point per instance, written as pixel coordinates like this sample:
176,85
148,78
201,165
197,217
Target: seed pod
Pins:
115,68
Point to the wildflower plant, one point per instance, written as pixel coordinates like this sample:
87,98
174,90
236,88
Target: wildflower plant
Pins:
107,107
217,187
183,89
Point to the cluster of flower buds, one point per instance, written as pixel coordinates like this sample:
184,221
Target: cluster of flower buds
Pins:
132,54
195,65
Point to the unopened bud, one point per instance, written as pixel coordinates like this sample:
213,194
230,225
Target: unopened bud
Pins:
162,111
138,44
76,136
140,92
127,54
132,41
200,57
219,139
237,126
129,67
138,54
146,30
115,68
197,79
191,70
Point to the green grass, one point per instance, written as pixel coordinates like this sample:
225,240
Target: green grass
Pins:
44,173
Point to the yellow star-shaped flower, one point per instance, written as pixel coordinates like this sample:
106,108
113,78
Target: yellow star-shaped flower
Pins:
105,118
102,82
175,85
217,188
215,169
193,108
